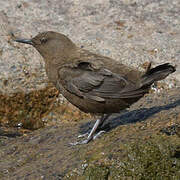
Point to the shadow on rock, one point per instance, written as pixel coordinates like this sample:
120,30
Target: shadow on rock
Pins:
129,117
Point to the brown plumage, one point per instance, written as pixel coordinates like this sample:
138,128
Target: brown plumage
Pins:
91,82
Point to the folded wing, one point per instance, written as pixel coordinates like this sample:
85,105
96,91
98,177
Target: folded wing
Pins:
97,84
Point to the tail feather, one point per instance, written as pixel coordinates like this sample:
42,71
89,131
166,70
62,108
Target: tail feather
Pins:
152,75
155,74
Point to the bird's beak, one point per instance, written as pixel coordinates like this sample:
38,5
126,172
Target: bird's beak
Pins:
25,41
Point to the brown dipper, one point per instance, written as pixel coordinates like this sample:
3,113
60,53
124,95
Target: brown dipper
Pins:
91,82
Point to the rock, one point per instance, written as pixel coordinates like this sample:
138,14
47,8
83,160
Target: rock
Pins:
137,140
128,31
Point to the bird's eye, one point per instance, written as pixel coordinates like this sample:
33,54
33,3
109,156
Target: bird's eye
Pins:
43,40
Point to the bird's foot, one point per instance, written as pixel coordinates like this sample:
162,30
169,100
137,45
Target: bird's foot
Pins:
94,133
86,141
98,134
83,135
79,142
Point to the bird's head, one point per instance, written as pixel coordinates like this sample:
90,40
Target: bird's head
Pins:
51,44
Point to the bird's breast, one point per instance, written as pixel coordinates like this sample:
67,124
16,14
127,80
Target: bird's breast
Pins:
52,73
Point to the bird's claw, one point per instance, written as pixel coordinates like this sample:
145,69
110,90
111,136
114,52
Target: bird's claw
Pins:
83,135
98,134
79,143
88,139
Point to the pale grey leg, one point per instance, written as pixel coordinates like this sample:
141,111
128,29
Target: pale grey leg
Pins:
98,123
103,118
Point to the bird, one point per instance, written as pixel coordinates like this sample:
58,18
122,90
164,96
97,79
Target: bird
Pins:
94,83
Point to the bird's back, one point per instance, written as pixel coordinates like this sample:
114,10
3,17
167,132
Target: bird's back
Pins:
113,65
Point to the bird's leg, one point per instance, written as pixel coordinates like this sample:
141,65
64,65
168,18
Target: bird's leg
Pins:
98,134
102,122
103,118
98,123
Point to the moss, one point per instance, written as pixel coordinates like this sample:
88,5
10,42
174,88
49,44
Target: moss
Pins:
29,109
93,172
97,172
155,158
150,160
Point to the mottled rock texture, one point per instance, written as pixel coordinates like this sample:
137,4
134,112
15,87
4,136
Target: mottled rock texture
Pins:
133,32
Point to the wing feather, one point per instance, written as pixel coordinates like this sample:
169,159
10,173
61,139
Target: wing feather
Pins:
98,84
